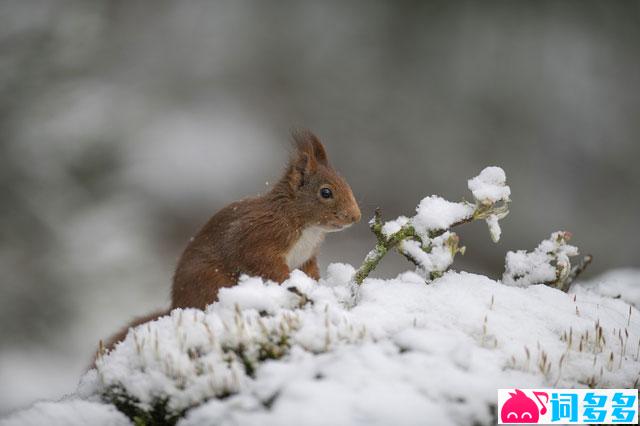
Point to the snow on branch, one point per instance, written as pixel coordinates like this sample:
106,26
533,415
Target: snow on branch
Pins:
549,263
425,239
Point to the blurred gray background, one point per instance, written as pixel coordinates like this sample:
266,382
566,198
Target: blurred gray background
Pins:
125,124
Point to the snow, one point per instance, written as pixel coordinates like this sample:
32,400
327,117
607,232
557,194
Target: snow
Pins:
490,186
406,352
439,257
434,213
392,226
73,412
545,264
494,227
619,283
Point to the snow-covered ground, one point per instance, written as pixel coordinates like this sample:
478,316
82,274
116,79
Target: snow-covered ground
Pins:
623,284
405,353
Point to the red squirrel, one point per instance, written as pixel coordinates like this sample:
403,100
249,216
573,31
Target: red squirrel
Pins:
268,236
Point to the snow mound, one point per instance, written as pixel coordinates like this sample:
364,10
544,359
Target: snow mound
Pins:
621,284
74,412
300,353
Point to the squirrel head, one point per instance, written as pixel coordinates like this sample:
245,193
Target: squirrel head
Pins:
322,197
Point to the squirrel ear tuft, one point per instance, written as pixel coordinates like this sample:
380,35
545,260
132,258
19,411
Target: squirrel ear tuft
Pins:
306,141
301,168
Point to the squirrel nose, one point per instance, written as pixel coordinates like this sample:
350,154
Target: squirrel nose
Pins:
352,215
355,216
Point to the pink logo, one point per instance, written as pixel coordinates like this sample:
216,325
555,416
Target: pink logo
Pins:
519,408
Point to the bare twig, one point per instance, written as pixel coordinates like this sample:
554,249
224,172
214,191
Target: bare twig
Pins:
575,271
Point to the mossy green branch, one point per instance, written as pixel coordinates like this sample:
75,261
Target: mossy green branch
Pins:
407,232
383,245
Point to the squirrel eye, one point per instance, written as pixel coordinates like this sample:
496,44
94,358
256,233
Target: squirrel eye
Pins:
326,193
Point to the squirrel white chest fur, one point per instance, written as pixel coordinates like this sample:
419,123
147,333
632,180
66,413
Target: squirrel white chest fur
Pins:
305,247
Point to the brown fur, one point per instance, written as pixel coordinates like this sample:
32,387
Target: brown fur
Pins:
254,235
